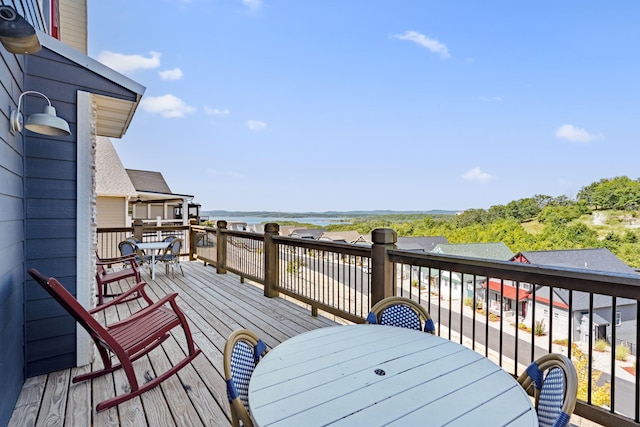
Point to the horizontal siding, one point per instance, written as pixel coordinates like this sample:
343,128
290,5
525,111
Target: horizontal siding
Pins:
11,350
43,355
51,188
111,211
11,208
52,209
12,225
59,229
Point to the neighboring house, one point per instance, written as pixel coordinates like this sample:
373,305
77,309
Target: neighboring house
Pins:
451,284
494,251
156,204
597,259
349,236
420,244
308,233
113,187
47,191
127,194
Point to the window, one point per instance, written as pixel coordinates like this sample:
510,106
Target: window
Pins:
618,318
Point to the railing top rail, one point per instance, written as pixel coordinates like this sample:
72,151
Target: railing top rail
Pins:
600,282
244,234
346,248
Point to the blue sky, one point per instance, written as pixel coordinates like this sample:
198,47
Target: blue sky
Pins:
312,105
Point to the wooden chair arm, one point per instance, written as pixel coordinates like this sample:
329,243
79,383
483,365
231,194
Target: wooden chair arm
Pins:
139,287
116,260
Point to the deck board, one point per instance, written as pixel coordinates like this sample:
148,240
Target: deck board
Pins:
215,305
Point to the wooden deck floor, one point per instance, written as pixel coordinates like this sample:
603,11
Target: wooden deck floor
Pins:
215,305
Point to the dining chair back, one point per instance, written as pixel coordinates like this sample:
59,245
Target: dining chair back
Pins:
126,340
129,247
242,352
171,256
402,312
556,388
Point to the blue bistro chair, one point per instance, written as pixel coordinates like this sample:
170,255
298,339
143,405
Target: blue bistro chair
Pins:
129,246
242,352
171,256
402,312
555,392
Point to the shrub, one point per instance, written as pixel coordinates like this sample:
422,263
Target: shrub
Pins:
622,351
540,329
600,345
468,302
294,265
600,394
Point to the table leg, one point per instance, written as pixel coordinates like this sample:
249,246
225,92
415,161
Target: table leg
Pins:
153,265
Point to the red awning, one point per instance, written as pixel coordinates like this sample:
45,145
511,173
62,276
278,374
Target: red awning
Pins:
508,291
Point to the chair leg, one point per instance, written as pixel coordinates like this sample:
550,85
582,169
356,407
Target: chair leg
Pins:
109,403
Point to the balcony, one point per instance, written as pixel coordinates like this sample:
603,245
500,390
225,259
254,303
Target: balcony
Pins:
280,287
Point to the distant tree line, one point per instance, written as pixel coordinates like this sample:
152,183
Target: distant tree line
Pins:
557,220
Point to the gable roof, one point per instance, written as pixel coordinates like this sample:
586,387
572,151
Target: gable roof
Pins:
420,244
496,251
307,233
111,177
114,114
148,181
348,236
599,259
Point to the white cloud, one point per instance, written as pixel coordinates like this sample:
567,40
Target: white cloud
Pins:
168,106
175,74
491,98
124,63
256,125
253,5
476,174
431,44
573,134
216,112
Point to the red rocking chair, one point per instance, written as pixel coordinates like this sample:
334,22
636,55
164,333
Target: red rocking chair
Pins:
104,276
128,340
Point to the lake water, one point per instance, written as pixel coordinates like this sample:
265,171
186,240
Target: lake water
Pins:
320,221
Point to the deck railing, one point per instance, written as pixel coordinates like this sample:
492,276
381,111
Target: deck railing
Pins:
109,238
511,312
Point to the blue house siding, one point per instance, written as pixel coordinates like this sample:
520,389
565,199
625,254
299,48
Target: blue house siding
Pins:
12,231
38,218
51,171
11,332
50,182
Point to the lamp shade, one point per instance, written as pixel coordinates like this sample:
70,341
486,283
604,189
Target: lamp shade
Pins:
16,34
48,123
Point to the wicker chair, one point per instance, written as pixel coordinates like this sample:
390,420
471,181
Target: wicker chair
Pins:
402,312
556,392
242,352
171,256
129,247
